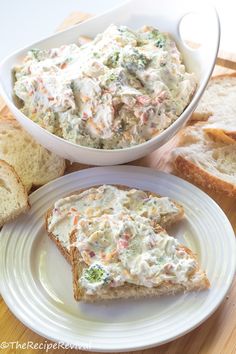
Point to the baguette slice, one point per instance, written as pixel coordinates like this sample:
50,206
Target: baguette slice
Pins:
218,108
171,213
194,278
206,162
33,163
13,196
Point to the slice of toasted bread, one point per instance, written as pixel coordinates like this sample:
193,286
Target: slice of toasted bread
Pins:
207,162
33,163
166,220
218,108
196,278
13,196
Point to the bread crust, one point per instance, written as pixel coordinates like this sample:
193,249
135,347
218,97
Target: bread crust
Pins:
198,175
128,290
166,220
223,76
221,135
232,135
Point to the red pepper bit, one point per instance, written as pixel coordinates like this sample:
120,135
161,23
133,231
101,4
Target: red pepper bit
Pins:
73,209
123,243
76,219
126,236
102,255
160,98
144,100
168,268
63,66
85,116
144,118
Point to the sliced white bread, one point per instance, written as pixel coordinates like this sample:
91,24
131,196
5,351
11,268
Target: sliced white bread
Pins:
33,163
208,162
130,285
168,212
218,107
13,196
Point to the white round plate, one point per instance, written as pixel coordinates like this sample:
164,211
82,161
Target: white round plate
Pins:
36,281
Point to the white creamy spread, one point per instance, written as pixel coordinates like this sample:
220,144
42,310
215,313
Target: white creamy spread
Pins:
119,238
119,90
125,248
106,199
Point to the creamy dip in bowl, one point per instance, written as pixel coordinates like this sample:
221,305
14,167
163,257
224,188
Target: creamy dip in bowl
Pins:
130,100
121,89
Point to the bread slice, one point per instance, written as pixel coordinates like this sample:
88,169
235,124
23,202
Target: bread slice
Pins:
132,286
33,163
218,108
166,220
205,161
13,196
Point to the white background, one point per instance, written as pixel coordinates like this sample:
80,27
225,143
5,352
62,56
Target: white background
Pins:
26,21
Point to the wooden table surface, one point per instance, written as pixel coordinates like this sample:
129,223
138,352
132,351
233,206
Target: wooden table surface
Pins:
217,335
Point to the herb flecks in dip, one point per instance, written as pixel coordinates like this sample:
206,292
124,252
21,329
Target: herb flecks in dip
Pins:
119,90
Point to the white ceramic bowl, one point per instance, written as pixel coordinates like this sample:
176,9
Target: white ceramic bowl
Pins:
167,16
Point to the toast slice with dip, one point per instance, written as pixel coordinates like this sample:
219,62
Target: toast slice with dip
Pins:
125,256
63,217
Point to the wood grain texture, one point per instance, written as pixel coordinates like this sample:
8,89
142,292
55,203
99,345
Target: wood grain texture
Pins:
215,336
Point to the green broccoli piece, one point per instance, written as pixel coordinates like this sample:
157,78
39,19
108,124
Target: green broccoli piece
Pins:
96,55
154,34
96,273
35,53
135,61
158,37
113,60
160,42
113,77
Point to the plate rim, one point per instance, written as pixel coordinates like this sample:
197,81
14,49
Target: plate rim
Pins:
122,168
